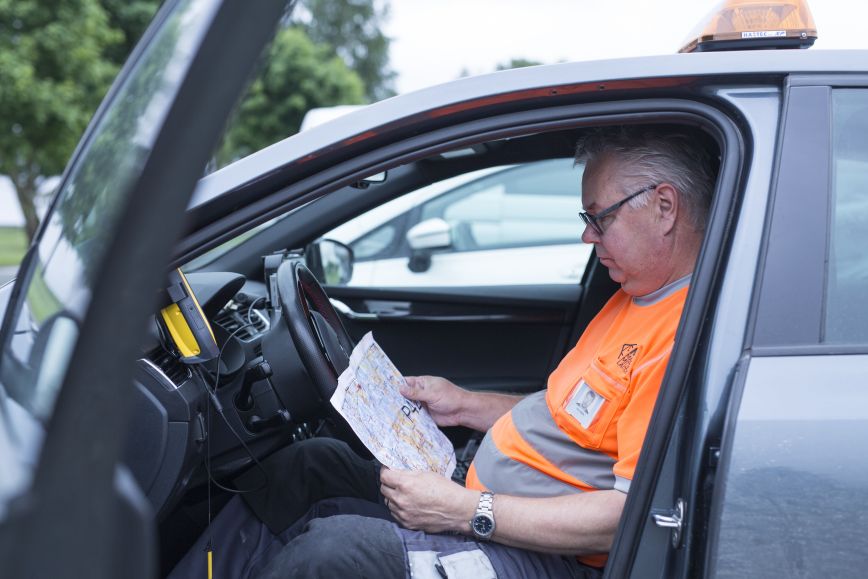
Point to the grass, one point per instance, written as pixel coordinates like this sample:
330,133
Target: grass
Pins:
40,299
13,243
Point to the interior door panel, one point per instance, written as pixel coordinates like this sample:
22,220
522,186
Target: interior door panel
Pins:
506,338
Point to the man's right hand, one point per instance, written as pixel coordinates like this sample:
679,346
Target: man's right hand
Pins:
445,401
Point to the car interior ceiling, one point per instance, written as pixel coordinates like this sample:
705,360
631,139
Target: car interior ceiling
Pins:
181,524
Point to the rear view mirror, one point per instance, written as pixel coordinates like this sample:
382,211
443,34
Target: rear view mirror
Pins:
374,179
330,261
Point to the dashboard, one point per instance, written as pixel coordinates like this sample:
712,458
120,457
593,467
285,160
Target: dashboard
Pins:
192,422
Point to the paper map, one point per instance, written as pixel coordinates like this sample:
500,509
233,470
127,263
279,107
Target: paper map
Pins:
399,433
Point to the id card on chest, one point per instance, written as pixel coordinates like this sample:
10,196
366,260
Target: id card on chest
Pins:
584,404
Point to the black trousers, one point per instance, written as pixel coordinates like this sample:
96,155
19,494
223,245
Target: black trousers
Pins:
302,474
306,503
322,515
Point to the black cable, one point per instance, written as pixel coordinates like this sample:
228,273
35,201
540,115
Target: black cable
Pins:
212,398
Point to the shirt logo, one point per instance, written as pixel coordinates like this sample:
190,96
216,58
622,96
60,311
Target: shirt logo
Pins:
625,358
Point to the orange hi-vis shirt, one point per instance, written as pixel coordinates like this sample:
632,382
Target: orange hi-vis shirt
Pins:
585,431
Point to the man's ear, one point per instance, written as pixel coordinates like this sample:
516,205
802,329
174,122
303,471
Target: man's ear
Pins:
667,206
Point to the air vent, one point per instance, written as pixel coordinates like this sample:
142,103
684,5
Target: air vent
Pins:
234,319
167,366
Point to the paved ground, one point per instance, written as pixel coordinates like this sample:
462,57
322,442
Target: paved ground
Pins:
7,273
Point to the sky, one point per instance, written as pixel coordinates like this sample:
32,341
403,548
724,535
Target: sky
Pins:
434,41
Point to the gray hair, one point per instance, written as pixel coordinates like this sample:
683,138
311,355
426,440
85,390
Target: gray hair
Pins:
652,155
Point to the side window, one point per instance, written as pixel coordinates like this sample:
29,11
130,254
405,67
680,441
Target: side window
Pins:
376,243
847,280
508,225
533,204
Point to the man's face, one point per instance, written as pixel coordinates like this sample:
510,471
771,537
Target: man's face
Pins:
634,244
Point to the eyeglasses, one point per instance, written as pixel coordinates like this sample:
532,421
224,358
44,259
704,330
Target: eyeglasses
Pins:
596,221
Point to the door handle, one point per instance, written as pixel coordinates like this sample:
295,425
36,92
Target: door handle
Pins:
350,313
671,519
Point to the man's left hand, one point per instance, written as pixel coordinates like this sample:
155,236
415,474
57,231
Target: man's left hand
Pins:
427,501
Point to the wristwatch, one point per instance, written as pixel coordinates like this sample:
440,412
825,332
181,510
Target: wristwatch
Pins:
482,523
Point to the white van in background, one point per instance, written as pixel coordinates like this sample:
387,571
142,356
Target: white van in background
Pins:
320,115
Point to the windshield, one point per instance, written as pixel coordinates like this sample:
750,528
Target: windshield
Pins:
57,283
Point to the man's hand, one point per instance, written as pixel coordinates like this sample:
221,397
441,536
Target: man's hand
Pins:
451,405
427,501
444,400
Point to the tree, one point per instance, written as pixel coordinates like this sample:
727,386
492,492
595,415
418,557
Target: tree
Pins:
517,63
352,28
51,81
328,53
297,75
131,18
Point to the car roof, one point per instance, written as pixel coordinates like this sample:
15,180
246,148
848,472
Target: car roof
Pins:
447,98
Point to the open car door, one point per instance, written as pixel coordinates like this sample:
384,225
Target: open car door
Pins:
77,313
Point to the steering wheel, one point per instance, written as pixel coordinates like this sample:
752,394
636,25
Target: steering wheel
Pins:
320,338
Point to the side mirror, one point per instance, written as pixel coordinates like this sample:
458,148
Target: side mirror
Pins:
431,234
424,238
330,261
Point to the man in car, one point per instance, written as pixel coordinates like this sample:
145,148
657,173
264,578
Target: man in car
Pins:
546,489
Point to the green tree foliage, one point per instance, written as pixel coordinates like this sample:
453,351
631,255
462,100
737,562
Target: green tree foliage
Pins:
115,154
57,60
52,76
329,53
131,18
352,28
297,75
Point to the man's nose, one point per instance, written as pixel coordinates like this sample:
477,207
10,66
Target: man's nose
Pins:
590,235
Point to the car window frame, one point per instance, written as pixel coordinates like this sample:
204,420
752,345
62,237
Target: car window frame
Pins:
346,169
683,109
794,247
671,420
814,227
336,174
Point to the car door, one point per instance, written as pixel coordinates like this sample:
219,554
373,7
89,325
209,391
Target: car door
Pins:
666,525
77,313
762,469
797,431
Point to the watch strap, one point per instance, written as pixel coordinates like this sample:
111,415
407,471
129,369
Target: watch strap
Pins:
486,503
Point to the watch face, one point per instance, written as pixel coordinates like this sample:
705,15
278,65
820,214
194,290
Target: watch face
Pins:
482,525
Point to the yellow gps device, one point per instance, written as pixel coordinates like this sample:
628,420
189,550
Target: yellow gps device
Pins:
187,325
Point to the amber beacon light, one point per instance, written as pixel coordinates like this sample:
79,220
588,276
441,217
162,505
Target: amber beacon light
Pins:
754,24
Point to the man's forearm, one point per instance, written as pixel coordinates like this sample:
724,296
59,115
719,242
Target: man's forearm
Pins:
582,524
481,410
578,524
570,525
